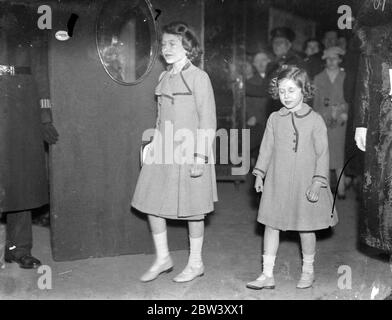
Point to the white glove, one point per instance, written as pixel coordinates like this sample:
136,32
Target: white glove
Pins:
360,138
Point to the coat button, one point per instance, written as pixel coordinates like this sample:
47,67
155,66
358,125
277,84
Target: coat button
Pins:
294,141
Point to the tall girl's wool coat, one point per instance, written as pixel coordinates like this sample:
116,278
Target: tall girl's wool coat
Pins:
293,154
185,101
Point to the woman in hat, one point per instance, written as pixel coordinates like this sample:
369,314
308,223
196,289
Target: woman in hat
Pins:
330,103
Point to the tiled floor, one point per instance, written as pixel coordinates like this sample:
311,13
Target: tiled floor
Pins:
232,255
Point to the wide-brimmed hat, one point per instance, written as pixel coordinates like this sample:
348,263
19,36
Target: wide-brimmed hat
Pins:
333,52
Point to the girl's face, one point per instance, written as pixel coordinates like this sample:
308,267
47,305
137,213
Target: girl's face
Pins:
290,94
172,48
333,63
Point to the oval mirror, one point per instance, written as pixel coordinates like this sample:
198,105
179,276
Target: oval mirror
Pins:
127,41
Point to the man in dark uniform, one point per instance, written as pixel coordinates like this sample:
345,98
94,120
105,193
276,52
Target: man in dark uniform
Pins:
25,119
282,42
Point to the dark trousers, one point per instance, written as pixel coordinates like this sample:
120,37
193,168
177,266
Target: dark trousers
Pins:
19,233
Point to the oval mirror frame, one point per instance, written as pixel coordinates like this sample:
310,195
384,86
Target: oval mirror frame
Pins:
154,46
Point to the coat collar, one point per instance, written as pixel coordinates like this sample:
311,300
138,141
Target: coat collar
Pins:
163,88
187,65
305,111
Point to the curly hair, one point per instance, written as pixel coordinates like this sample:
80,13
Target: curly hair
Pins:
189,40
298,75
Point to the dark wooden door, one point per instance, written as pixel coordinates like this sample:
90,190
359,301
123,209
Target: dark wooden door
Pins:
95,165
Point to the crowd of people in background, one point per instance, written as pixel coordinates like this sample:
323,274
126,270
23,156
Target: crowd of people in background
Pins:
331,64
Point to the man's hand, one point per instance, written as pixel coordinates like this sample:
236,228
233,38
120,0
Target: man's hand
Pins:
360,138
50,133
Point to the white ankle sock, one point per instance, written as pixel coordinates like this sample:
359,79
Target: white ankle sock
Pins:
196,245
161,247
307,263
268,265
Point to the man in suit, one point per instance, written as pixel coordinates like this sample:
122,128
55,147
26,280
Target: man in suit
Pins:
25,119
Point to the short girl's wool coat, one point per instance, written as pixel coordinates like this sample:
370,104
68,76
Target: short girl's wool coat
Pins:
293,154
185,101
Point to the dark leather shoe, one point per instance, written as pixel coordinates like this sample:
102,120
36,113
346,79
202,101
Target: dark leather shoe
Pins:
25,262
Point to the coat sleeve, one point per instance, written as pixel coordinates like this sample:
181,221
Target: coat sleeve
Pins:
206,110
362,98
266,150
320,143
40,72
